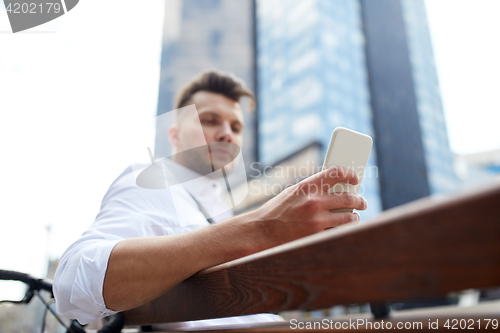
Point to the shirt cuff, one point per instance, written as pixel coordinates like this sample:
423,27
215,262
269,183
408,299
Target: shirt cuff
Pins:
86,293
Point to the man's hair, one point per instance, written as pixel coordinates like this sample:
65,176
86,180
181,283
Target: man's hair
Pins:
216,82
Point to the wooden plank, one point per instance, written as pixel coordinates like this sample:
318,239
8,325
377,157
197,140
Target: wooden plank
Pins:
426,248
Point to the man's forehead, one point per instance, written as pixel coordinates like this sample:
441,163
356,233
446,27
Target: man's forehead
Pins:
221,105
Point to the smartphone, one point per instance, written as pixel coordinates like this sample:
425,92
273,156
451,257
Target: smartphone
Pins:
349,149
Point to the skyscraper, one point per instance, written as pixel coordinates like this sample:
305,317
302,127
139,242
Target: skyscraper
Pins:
366,65
312,78
413,150
438,157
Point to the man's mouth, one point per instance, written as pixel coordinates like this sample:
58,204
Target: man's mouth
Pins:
224,153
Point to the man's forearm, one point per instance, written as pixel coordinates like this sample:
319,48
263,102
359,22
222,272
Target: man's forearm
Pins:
141,269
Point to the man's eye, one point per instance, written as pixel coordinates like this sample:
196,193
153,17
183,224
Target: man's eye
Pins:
208,121
236,129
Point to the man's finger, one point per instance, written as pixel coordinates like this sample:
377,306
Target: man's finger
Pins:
332,176
341,200
331,220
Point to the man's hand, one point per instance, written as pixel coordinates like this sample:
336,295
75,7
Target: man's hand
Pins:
304,208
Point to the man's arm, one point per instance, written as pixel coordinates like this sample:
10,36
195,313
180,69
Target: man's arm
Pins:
141,269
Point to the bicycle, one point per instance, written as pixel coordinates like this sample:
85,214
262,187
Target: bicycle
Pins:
113,323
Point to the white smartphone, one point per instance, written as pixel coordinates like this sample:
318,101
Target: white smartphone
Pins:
349,149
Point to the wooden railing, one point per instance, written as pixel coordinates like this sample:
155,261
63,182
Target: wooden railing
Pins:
427,248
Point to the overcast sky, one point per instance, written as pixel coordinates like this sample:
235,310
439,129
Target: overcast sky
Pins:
77,105
467,53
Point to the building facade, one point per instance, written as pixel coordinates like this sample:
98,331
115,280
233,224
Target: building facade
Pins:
312,78
366,65
438,156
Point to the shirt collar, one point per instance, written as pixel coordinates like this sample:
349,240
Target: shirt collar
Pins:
198,186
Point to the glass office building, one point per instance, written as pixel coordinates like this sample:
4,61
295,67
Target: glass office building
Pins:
312,77
366,65
438,157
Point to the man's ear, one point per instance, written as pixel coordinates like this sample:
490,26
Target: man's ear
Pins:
173,137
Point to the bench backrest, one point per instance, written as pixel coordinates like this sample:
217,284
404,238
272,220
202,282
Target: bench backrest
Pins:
426,248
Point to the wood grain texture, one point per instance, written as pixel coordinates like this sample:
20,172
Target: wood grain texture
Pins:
423,249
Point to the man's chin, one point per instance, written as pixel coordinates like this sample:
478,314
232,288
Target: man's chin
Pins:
224,162
203,165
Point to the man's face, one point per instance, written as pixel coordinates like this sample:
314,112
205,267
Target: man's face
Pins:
222,123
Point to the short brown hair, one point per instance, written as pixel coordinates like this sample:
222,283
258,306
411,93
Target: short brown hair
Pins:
216,82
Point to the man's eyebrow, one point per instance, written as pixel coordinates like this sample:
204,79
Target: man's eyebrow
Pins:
213,113
216,115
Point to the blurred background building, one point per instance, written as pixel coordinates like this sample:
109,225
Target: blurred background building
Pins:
478,167
315,65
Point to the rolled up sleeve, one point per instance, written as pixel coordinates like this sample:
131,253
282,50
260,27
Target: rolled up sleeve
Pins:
79,281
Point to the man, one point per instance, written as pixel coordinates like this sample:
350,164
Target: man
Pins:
142,243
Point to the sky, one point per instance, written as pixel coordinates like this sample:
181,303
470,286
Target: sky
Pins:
78,97
466,50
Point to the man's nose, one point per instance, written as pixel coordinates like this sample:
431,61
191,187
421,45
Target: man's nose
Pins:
225,133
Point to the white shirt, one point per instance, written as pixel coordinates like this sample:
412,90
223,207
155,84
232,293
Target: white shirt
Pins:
127,211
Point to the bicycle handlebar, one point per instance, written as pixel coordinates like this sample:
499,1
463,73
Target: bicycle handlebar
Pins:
37,284
115,323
